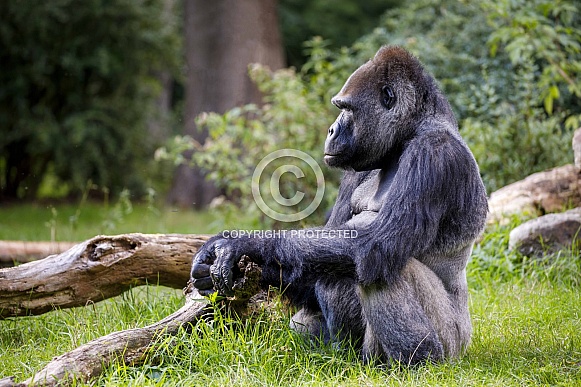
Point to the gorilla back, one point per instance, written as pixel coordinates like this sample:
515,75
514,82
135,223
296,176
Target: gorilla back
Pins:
413,192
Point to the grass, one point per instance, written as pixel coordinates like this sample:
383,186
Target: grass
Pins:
526,315
68,222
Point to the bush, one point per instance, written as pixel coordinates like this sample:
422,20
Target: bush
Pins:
497,63
78,87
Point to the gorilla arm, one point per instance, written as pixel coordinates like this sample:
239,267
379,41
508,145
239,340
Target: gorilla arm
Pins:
282,260
435,205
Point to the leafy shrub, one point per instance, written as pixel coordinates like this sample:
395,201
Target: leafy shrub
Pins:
292,117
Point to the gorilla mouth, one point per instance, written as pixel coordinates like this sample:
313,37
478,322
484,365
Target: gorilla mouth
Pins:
333,160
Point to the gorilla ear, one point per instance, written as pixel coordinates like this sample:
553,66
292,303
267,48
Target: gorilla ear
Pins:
388,97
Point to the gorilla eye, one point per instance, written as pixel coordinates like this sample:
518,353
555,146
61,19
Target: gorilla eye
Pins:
388,97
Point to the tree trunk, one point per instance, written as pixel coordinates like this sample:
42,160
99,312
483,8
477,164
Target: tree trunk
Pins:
99,268
158,126
222,38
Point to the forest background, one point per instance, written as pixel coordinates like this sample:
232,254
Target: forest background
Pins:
103,99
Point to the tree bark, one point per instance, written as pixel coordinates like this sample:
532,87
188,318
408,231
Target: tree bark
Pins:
96,269
222,38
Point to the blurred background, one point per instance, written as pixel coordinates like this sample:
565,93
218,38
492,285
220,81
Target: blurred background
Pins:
151,115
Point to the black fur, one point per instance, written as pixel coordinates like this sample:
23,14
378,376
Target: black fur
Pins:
413,193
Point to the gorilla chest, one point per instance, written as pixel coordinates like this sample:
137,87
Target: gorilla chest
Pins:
368,198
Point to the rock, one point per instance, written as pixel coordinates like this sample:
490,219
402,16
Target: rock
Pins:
548,233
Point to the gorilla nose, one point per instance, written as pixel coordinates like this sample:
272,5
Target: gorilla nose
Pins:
332,132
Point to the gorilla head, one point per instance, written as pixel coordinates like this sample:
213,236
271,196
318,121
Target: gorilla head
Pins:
382,104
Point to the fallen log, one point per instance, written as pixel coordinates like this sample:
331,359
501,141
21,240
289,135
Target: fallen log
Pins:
547,234
538,194
96,269
132,346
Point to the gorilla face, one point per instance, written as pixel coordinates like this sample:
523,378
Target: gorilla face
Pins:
339,145
376,104
348,137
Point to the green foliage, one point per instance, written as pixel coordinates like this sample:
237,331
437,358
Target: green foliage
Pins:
293,116
500,76
341,22
78,87
542,39
544,36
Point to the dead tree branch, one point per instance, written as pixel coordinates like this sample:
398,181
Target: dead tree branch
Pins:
540,193
99,268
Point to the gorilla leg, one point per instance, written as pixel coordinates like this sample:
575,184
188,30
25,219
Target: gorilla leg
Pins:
410,320
396,326
310,323
447,311
338,317
341,310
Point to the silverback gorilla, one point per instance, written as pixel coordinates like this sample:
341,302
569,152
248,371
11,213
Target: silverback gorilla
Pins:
413,192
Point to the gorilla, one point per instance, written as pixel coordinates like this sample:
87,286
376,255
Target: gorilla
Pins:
412,191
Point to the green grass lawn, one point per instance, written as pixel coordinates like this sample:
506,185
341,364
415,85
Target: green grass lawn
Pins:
526,316
70,222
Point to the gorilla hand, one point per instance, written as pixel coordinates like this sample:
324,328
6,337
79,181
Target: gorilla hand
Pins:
200,273
215,266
